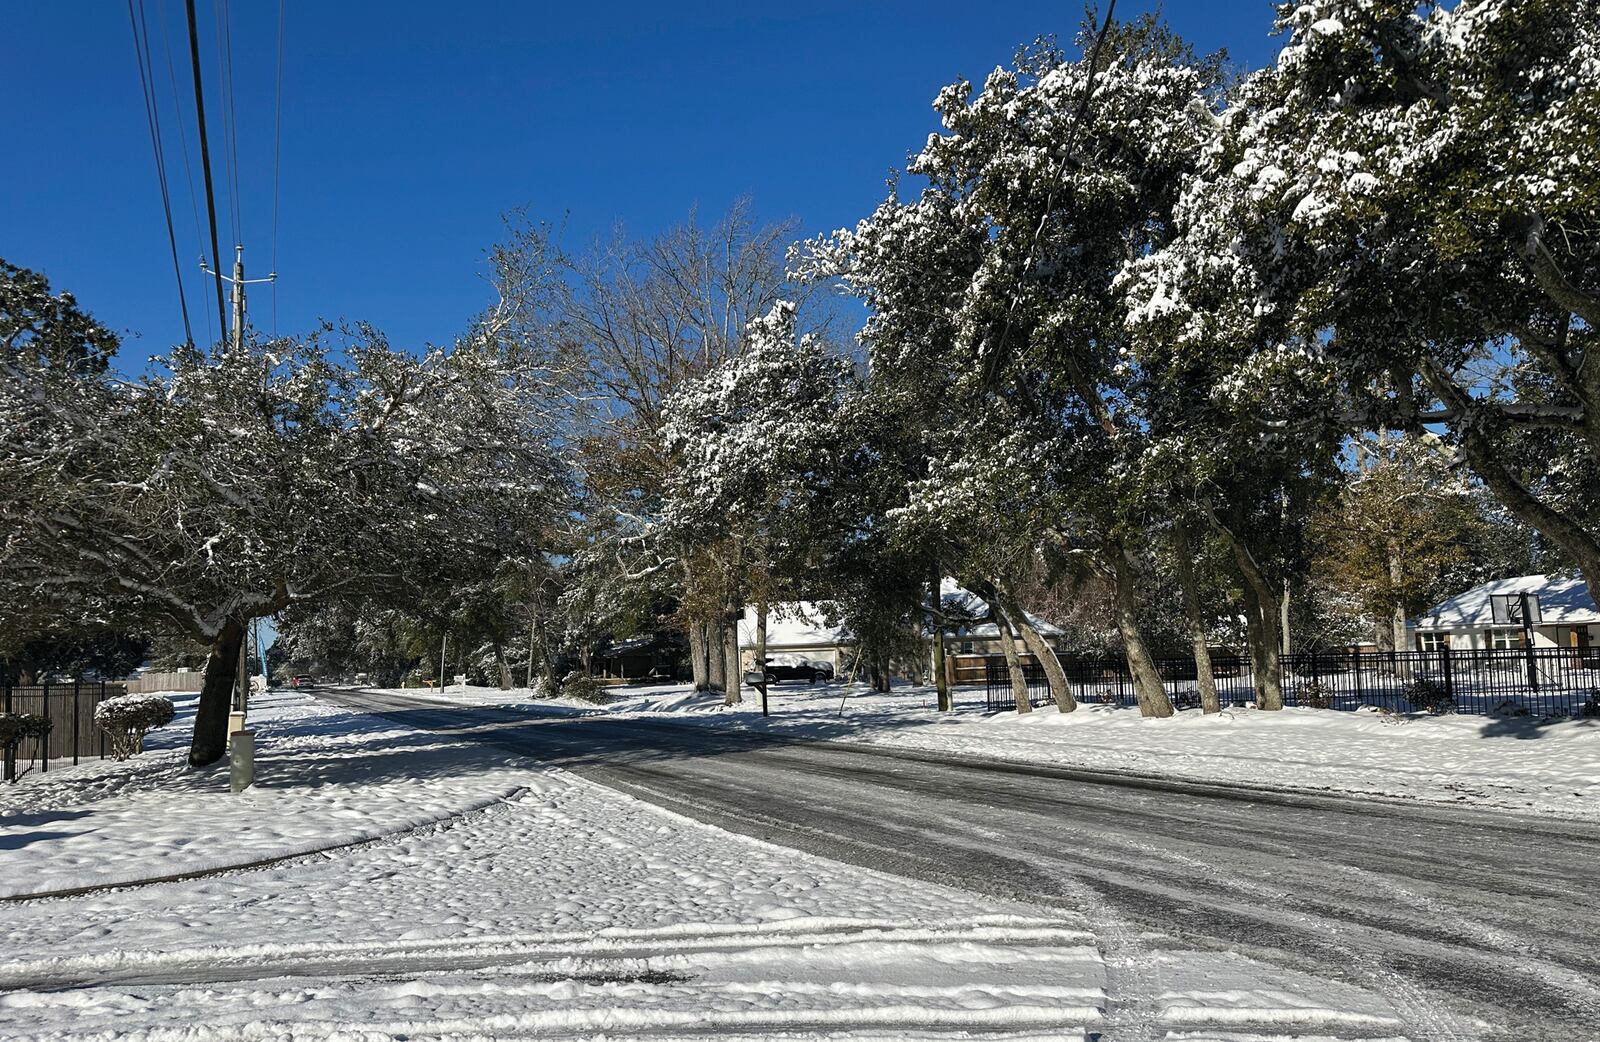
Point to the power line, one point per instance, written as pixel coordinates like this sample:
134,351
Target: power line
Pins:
277,160
205,155
141,51
230,113
183,136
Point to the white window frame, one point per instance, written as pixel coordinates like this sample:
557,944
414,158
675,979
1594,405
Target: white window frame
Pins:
1433,640
1505,640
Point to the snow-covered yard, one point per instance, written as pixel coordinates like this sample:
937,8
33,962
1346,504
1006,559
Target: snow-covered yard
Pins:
327,777
509,900
1513,763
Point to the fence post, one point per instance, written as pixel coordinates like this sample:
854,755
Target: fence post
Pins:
100,730
44,743
77,717
1449,671
10,751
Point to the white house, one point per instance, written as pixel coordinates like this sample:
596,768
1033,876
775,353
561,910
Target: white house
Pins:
1559,608
799,630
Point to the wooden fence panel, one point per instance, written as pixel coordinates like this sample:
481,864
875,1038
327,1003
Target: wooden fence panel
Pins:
70,707
151,683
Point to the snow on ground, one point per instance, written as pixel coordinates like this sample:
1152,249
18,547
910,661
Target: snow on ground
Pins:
327,777
557,909
1512,763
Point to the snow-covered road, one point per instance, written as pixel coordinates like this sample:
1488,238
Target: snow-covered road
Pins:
1456,919
562,908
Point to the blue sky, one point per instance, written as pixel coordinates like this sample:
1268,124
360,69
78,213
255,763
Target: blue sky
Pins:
407,133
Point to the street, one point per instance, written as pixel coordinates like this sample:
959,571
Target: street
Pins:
1457,918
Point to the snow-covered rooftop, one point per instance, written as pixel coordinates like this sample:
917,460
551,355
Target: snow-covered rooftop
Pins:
1564,600
805,623
794,624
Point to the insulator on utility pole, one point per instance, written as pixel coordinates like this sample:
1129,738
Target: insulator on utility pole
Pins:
238,282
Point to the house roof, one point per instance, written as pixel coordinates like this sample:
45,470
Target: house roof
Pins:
958,600
1564,600
801,624
804,624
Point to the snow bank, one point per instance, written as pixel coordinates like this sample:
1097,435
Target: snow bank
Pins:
325,776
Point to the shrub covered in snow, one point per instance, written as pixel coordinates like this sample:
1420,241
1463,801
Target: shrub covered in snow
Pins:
583,687
15,727
1430,697
126,718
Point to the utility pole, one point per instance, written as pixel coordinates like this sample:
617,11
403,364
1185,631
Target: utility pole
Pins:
238,282
241,702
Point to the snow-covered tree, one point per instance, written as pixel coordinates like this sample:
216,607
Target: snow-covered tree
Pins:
1404,206
995,302
238,483
755,448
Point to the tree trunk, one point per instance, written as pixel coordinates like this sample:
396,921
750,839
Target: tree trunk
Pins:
1019,680
1283,619
1195,619
730,665
505,666
1383,634
1038,647
210,741
1253,641
1147,686
716,656
699,665
1261,625
1397,615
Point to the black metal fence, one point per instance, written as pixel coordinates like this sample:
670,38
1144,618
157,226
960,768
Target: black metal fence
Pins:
69,706
1549,683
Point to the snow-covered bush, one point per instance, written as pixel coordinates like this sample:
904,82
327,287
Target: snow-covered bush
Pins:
583,687
1430,697
15,727
126,718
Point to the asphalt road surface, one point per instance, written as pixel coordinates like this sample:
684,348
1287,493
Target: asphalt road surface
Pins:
1459,918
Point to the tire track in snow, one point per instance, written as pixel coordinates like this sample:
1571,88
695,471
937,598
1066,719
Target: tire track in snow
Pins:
1425,1020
